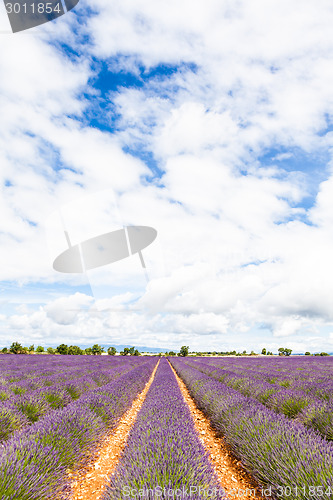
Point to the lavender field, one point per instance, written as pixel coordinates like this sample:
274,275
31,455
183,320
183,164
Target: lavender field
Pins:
54,410
274,413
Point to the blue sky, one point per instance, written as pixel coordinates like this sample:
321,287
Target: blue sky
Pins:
196,118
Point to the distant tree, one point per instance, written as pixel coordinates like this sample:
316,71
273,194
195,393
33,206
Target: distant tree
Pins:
75,350
307,353
136,353
88,351
284,351
171,353
252,353
131,351
62,349
4,350
125,351
269,353
97,349
16,348
32,348
184,350
40,348
50,350
324,354
263,351
112,351
244,352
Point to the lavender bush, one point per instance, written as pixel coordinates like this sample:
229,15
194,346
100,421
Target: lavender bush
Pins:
34,461
47,383
279,452
290,396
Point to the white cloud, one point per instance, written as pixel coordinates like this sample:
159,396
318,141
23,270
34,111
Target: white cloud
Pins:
65,310
232,251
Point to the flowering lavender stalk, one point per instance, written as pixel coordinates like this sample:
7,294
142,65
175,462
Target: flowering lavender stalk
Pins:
29,399
33,462
163,453
288,394
279,452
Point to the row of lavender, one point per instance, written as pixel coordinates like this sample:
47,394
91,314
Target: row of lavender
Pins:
311,375
19,375
301,402
34,463
164,457
48,384
282,454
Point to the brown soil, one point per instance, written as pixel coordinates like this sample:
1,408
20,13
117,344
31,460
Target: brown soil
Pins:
89,483
232,476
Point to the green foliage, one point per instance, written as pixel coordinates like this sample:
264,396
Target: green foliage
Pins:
40,348
75,350
97,349
31,348
62,349
112,351
4,350
263,351
307,353
16,348
131,351
73,391
88,351
32,410
50,350
284,351
10,421
184,350
55,400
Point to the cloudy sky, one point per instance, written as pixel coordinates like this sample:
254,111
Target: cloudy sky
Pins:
209,120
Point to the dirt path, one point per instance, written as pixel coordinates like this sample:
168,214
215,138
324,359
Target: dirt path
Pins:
233,478
90,483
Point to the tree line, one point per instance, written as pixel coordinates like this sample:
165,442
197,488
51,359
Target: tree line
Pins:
96,349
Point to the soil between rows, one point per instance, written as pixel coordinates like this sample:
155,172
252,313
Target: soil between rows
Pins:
89,483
